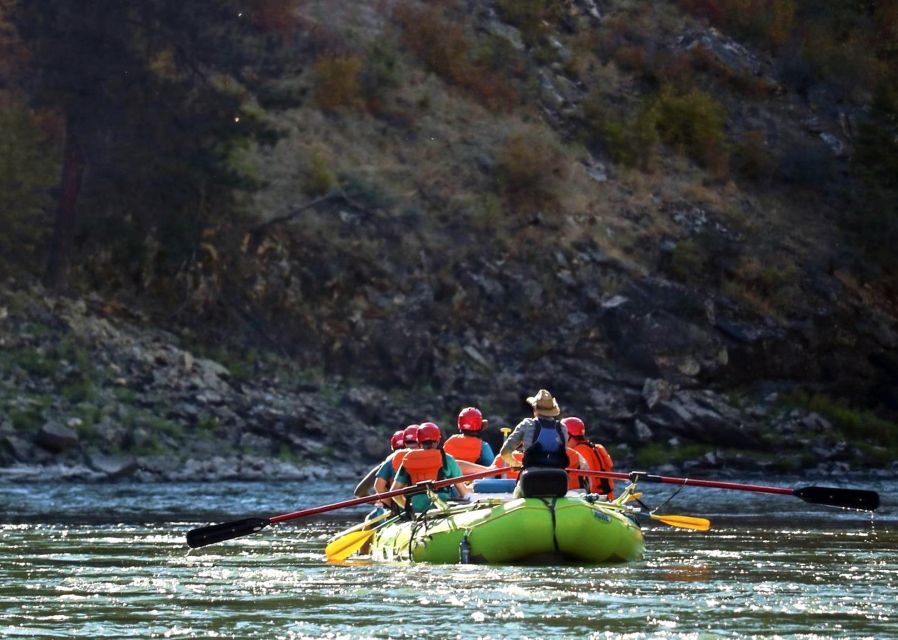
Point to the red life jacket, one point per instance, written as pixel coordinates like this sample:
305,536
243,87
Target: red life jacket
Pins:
598,460
423,464
463,447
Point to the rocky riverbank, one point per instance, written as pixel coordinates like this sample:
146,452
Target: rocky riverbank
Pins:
92,390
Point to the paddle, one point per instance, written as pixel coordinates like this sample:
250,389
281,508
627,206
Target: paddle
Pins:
348,543
683,522
367,483
214,533
832,496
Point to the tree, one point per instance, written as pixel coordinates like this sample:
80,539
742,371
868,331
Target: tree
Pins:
157,98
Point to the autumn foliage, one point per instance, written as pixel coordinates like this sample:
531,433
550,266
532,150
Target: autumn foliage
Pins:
445,49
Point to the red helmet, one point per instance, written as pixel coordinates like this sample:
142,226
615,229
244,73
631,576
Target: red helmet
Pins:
397,440
429,432
470,419
410,434
574,426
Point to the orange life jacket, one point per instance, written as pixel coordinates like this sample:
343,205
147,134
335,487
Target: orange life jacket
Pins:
396,459
462,447
499,463
598,460
573,462
423,464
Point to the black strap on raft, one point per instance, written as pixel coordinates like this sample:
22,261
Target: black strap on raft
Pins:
551,507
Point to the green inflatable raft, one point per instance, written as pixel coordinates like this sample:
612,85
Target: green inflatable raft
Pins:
521,530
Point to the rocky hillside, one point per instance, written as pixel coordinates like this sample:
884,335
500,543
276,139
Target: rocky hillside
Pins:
619,201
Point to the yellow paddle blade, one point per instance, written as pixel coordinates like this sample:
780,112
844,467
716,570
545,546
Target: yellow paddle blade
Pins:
683,522
634,496
346,545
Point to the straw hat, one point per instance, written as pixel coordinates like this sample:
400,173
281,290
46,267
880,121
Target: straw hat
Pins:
544,404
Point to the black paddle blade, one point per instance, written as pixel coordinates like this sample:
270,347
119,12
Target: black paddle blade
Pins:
225,531
847,498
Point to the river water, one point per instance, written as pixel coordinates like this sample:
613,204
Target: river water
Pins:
110,561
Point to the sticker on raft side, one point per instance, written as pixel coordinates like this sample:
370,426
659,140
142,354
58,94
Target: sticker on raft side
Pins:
604,517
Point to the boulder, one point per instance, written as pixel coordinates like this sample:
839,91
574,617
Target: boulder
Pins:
19,448
56,437
113,466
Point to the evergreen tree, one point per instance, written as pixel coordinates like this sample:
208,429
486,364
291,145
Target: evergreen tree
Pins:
157,97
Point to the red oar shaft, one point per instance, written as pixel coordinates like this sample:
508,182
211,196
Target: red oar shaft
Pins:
832,496
645,477
229,530
438,484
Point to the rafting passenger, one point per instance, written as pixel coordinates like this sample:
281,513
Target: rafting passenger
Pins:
390,466
469,445
542,437
429,462
596,456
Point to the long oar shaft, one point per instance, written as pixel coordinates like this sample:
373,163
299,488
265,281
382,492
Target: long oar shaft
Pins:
213,533
415,488
832,496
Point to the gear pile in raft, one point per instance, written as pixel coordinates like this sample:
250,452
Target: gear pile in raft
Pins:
547,497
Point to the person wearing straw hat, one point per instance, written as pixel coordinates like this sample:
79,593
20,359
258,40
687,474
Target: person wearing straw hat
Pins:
543,437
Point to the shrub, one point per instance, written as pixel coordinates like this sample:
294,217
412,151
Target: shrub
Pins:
853,422
446,51
526,15
530,168
379,72
767,21
319,178
693,123
632,143
337,82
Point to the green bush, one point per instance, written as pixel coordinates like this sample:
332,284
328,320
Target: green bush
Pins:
693,123
530,170
526,15
857,424
319,178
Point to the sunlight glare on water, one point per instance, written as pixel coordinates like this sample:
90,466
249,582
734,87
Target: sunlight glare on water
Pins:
767,569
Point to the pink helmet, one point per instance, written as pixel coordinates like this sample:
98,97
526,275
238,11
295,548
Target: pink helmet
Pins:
410,434
470,419
397,440
429,432
574,426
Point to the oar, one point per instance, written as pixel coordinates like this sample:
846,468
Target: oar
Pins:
683,522
672,520
862,499
347,544
365,484
229,530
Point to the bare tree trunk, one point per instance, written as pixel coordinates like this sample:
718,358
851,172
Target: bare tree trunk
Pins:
66,222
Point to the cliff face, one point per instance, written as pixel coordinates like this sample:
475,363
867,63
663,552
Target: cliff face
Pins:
613,200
